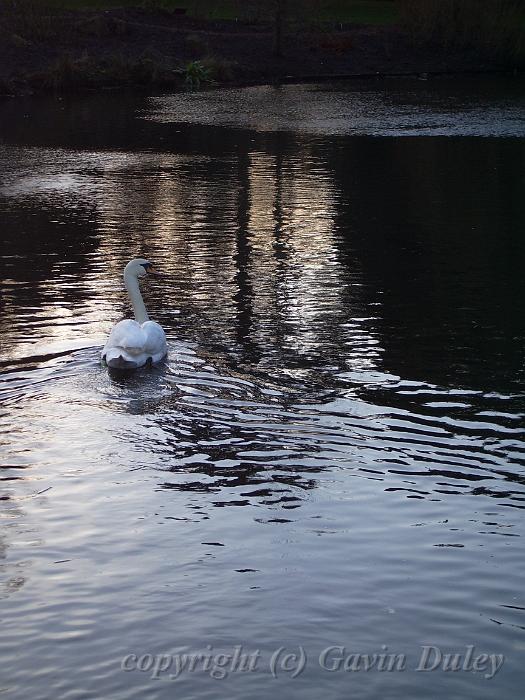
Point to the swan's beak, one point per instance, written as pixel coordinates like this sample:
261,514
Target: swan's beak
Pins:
152,271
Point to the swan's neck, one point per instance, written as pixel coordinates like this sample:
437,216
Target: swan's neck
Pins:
139,310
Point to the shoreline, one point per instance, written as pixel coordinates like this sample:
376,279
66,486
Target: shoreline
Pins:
137,48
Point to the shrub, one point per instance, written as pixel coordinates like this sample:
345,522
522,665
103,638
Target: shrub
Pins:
195,74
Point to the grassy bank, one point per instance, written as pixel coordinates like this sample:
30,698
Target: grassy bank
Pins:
69,44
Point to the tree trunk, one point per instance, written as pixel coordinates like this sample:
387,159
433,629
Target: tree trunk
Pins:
279,20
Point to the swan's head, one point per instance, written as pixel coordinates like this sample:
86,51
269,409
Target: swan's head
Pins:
139,268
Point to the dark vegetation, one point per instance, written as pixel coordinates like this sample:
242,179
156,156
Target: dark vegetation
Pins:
494,26
75,44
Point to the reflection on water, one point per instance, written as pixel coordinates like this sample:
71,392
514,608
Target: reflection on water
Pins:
332,453
393,108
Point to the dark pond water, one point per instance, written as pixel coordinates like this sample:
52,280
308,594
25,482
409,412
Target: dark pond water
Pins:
331,457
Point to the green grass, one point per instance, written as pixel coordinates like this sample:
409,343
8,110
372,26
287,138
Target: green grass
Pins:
356,11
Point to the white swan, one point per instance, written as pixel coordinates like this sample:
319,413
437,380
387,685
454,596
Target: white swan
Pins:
132,344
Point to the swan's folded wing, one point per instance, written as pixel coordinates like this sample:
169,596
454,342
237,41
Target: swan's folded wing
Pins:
128,335
155,339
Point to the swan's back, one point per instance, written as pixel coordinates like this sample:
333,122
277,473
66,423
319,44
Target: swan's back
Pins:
132,345
127,334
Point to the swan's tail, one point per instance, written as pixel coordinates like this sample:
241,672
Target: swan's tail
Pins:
116,358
